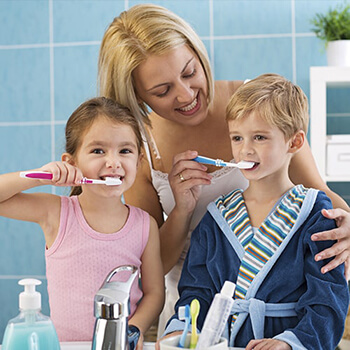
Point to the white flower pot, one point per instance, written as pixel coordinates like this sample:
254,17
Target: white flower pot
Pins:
338,53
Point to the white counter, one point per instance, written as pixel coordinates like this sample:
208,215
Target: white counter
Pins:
87,346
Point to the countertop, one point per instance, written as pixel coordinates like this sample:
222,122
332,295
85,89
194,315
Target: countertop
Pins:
87,346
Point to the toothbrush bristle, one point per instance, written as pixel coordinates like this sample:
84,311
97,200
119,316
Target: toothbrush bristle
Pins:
184,311
113,181
245,165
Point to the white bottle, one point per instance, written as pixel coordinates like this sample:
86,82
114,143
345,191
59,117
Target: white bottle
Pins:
215,321
30,330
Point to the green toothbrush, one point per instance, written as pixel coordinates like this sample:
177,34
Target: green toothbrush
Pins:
194,309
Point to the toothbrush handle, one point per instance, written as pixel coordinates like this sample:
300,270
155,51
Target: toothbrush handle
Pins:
36,175
206,160
85,180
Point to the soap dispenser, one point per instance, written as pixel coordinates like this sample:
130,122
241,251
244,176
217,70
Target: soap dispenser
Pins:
30,330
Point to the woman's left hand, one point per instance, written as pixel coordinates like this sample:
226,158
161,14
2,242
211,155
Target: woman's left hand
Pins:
341,249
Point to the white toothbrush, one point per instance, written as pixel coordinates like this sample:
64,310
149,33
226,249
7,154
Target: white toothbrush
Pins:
220,162
109,181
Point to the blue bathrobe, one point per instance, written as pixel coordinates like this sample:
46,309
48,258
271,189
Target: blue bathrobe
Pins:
289,298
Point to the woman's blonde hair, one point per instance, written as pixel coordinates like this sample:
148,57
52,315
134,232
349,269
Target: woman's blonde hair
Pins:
277,100
143,30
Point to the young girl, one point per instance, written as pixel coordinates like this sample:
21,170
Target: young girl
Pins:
92,231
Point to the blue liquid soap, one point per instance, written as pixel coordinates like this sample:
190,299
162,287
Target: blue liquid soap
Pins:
30,330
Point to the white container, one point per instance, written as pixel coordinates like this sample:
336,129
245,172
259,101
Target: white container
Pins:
172,343
216,318
338,53
338,155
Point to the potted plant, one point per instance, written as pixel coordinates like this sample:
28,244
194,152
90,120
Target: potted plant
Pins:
334,29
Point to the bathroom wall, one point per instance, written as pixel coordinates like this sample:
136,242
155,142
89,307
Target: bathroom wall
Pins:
48,61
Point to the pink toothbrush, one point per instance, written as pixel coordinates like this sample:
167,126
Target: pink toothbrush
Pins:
110,181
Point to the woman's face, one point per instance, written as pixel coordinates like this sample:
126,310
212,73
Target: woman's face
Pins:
174,85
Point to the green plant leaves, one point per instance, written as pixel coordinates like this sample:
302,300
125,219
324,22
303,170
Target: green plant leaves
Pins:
334,25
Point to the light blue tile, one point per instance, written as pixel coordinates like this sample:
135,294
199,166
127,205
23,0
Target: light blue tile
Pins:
22,248
24,147
75,77
305,10
24,22
252,17
338,125
309,52
59,149
83,20
9,303
60,142
195,12
248,58
338,100
25,85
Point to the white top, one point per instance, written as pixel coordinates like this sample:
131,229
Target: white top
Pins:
224,180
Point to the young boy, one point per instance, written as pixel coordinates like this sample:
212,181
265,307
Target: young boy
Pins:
260,238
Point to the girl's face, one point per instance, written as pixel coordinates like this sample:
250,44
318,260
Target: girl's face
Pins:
174,85
108,149
255,140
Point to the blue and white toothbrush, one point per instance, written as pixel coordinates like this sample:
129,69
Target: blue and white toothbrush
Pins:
221,163
184,314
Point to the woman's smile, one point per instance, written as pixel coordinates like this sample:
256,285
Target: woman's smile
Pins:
174,85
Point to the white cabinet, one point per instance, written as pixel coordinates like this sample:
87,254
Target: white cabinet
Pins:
320,79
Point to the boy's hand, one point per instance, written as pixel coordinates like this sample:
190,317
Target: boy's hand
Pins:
267,344
63,174
157,346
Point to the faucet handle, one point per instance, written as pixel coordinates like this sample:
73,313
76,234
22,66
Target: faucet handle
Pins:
123,286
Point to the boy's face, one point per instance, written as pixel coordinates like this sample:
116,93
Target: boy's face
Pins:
255,140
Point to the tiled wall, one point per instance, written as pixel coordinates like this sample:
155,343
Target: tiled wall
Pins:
48,66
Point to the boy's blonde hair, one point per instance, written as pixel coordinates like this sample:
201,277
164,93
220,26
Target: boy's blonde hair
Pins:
277,100
141,31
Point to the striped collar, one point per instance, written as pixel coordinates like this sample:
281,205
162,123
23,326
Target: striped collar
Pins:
261,246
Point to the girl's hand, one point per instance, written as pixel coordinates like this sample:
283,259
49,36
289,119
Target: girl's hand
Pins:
157,346
341,249
63,174
139,345
186,178
267,344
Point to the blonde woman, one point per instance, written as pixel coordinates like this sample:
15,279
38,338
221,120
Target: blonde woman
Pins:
153,62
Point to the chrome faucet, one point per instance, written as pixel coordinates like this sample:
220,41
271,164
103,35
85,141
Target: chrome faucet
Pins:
112,308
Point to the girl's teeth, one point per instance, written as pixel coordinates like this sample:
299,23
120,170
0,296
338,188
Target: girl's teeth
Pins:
189,107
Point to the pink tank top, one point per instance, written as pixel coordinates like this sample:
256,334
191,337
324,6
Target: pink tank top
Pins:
79,261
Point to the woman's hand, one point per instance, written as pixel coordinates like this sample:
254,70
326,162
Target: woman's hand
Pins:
157,346
63,174
341,249
186,178
267,344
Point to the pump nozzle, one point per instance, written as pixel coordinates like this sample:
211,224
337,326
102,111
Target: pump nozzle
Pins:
30,299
